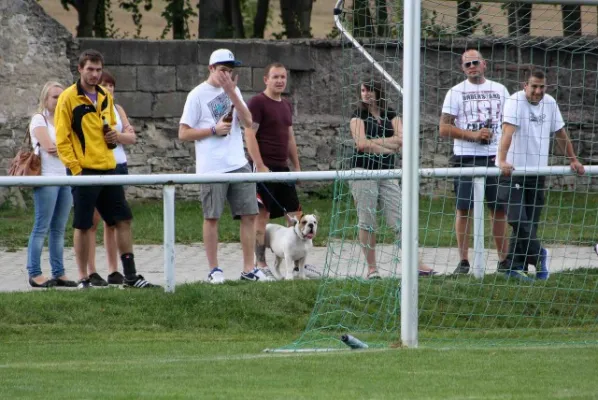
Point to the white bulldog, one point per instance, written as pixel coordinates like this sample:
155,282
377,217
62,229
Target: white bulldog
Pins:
291,244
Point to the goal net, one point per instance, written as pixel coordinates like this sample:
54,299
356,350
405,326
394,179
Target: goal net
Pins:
456,309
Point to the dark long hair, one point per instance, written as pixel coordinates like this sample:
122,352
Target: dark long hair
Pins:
376,87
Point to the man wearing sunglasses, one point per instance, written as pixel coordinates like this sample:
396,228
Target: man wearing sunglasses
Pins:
219,149
471,115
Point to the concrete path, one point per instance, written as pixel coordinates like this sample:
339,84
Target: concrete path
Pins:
344,260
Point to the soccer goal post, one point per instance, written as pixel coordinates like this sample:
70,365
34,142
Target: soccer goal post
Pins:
412,51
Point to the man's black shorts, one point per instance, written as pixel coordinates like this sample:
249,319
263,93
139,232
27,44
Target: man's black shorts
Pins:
109,200
463,185
273,195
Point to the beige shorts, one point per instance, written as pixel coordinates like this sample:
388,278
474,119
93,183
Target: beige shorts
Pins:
241,197
377,197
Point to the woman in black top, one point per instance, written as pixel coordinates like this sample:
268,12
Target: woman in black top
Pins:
377,131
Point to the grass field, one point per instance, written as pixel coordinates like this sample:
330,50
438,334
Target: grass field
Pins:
207,342
568,218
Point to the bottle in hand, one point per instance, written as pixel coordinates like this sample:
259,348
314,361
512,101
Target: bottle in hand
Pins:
489,126
107,129
229,117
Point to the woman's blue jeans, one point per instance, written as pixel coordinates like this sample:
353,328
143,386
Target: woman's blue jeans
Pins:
52,208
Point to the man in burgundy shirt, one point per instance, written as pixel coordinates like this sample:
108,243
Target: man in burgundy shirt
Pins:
270,144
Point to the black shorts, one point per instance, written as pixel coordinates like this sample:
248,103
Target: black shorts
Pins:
463,185
274,195
122,169
108,199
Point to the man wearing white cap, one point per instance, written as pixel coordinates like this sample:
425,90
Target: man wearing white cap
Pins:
219,149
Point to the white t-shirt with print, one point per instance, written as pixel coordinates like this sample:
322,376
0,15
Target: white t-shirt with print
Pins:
51,164
204,107
473,105
535,126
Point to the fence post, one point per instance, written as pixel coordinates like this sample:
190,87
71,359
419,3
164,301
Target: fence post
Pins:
479,185
169,252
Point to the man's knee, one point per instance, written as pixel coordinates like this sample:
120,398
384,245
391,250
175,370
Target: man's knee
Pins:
248,219
210,222
124,224
463,213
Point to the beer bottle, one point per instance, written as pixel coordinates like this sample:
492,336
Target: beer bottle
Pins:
229,117
107,129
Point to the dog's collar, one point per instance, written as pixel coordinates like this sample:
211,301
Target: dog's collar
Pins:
298,232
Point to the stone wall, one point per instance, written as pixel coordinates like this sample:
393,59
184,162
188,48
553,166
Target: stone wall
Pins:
154,77
34,49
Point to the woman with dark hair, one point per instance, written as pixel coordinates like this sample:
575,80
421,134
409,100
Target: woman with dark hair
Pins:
126,135
378,134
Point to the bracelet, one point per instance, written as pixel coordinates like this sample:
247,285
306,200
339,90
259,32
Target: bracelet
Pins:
213,131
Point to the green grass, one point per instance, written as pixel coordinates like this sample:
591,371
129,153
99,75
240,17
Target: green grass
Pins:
206,341
568,217
158,366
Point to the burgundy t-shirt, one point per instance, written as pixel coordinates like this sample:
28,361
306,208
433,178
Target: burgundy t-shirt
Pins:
274,118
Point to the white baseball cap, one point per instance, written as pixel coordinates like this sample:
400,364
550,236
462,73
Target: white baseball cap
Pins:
222,56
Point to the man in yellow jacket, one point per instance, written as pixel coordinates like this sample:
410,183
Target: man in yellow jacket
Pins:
84,149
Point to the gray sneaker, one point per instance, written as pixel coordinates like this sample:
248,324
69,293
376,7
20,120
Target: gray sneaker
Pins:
264,274
310,272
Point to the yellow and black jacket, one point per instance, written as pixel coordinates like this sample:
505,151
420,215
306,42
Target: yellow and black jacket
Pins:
79,134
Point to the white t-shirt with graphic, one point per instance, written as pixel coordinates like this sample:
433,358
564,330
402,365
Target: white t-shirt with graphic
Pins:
475,107
204,107
535,126
51,164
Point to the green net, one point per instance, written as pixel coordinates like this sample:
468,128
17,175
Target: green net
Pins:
460,309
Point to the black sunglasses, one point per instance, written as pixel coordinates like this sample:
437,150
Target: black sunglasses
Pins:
468,64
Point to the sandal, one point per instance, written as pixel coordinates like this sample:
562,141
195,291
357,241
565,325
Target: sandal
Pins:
373,275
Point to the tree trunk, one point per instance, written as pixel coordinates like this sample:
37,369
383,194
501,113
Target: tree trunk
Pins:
261,18
99,27
304,9
362,19
178,19
571,20
464,22
87,14
296,17
519,19
237,19
212,22
382,18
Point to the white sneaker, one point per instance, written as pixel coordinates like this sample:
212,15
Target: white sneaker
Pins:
596,248
264,274
216,276
310,272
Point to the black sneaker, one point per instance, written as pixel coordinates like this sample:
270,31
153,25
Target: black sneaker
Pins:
502,266
84,284
138,283
116,278
96,280
462,268
249,276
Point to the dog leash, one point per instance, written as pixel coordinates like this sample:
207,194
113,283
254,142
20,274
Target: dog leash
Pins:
286,213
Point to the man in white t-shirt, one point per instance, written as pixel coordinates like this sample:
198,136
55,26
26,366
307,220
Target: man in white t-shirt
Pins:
531,117
471,116
219,149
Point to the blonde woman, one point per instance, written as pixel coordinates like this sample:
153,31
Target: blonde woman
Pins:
52,203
